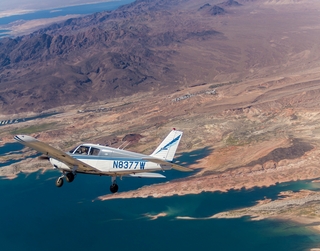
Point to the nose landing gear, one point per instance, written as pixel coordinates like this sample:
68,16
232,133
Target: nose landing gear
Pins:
68,176
59,182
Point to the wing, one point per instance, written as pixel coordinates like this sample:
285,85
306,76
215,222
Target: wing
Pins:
55,153
165,163
147,175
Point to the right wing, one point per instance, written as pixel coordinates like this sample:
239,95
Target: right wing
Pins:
55,153
147,175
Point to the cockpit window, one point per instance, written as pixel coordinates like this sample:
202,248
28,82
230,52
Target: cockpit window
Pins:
94,151
82,150
86,150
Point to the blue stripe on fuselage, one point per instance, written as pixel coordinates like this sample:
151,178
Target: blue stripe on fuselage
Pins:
91,157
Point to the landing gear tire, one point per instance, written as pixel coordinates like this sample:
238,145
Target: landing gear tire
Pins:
69,177
114,188
59,182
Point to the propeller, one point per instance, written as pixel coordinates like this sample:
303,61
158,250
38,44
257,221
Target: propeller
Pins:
43,157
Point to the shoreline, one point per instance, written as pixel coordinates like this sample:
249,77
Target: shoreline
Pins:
298,207
18,12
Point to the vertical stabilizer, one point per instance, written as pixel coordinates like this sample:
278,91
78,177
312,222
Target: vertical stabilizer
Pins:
167,149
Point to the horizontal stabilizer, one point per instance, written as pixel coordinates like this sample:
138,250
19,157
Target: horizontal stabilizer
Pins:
147,175
168,164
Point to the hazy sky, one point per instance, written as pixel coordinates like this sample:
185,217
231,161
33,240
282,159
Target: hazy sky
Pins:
10,7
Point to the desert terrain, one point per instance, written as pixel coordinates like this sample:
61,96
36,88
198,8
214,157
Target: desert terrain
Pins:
248,103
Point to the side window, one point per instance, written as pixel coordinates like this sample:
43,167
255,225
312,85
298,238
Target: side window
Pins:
94,151
82,150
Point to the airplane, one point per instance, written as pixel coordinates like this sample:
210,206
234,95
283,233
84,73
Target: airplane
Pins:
103,160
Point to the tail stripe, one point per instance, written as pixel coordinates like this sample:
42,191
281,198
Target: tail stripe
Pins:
167,149
173,142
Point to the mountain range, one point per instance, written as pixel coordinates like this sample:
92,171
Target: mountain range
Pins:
151,46
100,56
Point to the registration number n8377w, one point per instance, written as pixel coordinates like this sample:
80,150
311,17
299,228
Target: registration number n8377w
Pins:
129,164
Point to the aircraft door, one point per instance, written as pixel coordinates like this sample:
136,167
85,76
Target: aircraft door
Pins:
104,160
86,155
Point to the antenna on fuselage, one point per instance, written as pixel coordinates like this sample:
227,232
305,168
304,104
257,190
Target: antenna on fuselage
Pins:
123,144
126,145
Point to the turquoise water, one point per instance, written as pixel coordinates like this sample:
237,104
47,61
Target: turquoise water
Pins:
10,148
80,9
35,215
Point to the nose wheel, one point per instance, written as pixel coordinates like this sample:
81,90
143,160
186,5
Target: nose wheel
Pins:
59,182
68,176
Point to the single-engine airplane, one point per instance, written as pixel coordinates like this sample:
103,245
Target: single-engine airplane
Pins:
103,160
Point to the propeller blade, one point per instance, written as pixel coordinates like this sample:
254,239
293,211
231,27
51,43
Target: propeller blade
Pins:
43,157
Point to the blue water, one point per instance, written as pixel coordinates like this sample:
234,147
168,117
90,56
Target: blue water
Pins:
10,147
36,215
80,9
4,32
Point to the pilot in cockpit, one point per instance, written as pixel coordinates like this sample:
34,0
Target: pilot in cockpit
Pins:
82,150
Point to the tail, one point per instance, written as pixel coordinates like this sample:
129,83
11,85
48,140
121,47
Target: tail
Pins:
167,149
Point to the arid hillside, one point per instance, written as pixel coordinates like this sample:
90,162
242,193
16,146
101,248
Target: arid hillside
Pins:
156,46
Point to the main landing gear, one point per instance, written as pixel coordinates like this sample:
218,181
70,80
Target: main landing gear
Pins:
69,178
114,187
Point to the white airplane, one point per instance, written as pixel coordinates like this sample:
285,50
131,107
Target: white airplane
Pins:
103,160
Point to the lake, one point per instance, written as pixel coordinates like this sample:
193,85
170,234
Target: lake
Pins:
36,215
83,9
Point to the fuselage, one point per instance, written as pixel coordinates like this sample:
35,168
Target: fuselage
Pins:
108,160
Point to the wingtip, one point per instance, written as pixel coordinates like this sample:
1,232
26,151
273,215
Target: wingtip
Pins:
17,138
24,138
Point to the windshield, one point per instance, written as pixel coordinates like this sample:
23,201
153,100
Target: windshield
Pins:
73,149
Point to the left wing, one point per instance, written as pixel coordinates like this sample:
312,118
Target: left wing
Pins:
55,153
165,163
